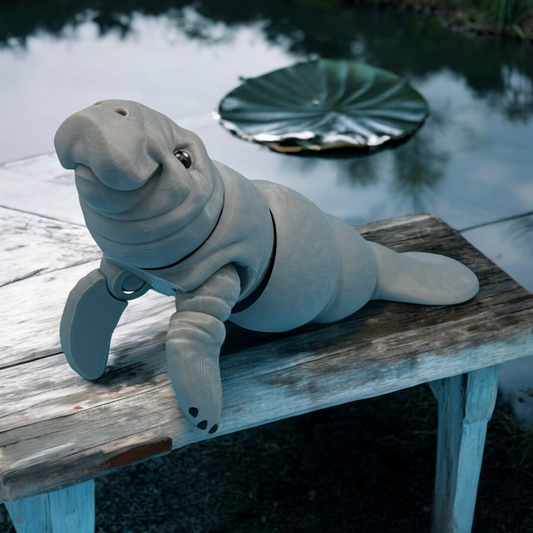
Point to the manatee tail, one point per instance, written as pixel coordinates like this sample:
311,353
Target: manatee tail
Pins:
422,278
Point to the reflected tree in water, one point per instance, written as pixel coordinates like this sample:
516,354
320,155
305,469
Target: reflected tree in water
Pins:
419,168
411,45
359,171
420,165
195,26
516,99
521,233
354,169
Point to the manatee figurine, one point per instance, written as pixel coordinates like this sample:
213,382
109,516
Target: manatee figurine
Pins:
167,217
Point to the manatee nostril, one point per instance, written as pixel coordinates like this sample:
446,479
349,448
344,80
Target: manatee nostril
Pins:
121,111
98,103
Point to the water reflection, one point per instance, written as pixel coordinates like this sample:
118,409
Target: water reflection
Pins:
419,169
419,165
305,28
516,98
358,171
469,162
521,234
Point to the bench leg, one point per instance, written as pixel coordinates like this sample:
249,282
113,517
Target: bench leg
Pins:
466,403
65,510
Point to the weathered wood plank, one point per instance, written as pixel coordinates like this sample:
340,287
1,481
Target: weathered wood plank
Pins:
40,185
30,328
31,309
466,403
68,429
137,365
56,436
32,245
28,334
379,334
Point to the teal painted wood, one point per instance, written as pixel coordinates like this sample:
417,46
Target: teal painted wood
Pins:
66,510
466,403
30,515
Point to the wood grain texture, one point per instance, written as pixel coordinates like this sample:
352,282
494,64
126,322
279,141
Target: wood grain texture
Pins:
40,185
66,510
31,515
466,404
57,429
32,245
72,508
31,309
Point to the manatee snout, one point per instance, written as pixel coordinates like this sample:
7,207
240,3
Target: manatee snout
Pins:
110,139
149,192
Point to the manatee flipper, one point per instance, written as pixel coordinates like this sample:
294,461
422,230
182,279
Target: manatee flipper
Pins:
92,311
422,278
194,338
88,321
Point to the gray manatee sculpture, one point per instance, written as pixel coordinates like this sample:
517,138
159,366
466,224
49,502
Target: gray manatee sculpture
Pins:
169,218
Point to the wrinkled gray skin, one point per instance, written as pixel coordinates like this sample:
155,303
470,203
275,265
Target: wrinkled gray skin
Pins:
205,233
126,169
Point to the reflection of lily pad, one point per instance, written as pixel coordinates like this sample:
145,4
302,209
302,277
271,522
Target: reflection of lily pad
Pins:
323,104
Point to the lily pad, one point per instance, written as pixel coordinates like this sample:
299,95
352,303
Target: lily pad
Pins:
322,105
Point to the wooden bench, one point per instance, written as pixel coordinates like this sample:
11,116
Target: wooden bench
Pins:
59,432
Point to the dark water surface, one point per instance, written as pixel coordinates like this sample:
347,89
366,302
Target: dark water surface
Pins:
471,163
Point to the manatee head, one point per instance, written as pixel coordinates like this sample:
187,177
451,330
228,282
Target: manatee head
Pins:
149,192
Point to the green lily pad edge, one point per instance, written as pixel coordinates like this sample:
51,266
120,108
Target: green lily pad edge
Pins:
323,105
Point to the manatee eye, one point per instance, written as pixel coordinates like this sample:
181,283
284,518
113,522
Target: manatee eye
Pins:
184,157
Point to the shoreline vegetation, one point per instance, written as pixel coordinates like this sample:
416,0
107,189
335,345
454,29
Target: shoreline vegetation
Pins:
508,19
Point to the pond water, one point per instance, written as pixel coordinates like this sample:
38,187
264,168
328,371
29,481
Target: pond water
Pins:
471,163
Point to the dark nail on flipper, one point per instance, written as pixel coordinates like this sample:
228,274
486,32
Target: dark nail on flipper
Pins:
202,424
193,412
213,429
